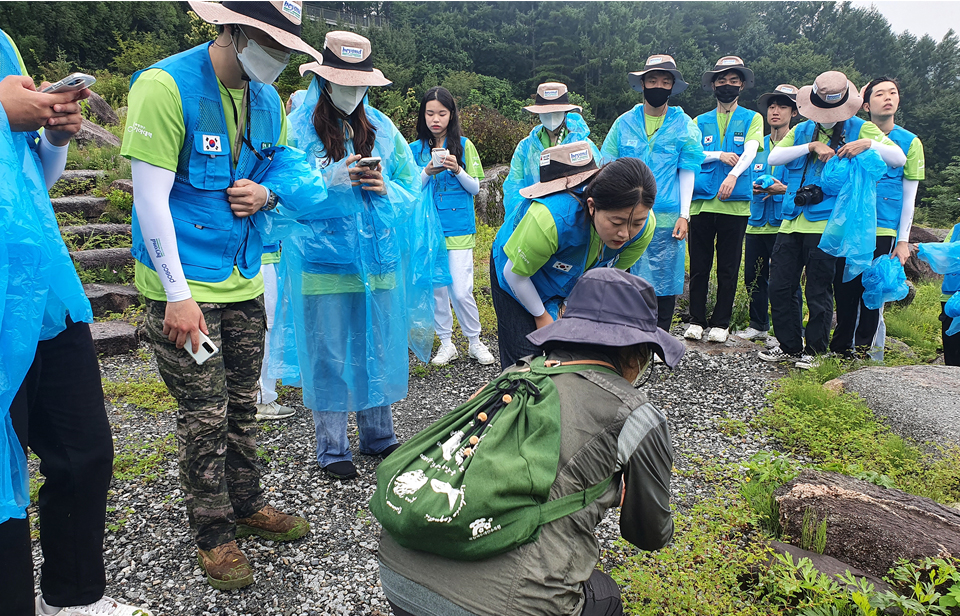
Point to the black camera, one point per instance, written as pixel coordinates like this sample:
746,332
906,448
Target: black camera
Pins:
811,194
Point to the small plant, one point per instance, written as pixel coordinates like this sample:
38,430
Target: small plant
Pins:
143,461
150,395
929,586
119,208
813,534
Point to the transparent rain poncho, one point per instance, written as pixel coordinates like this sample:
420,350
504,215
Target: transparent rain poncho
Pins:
851,230
945,259
676,145
353,294
38,287
433,250
525,164
884,281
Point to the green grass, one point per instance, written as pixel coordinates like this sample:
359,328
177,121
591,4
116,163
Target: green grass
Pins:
106,275
143,460
481,276
918,324
150,395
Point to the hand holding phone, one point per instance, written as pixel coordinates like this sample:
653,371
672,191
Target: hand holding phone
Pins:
71,83
369,162
206,351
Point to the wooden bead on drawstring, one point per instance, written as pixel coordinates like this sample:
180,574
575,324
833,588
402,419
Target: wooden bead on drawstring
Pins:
482,416
474,440
507,398
468,452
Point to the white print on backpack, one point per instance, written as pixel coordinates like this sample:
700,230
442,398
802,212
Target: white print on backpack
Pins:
482,527
451,445
452,493
409,484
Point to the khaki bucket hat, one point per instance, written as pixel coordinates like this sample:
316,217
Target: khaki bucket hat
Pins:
724,64
280,20
346,61
552,97
783,90
831,98
561,167
659,62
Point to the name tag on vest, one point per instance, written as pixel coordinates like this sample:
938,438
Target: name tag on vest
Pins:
738,138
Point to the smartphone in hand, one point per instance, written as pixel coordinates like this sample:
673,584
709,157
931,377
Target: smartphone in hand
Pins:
71,83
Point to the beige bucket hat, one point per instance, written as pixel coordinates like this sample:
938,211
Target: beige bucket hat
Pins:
346,61
831,98
724,64
784,90
280,20
552,97
659,62
561,167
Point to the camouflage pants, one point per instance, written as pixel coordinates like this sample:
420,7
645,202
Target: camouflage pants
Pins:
216,427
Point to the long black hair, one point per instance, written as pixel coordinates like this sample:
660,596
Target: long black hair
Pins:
443,96
624,183
326,121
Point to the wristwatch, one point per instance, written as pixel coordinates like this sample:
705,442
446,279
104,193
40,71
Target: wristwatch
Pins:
271,201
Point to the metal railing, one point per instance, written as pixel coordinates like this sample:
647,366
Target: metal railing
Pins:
332,17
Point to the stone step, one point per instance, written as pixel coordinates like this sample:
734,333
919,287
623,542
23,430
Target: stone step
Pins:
99,258
106,298
74,181
85,232
124,185
89,207
114,337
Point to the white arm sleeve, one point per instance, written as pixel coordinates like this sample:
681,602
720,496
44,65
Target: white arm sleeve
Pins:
53,158
151,197
711,157
524,289
424,178
909,206
781,155
468,182
891,154
750,149
687,180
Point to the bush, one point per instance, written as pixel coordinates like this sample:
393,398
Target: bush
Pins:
494,135
112,87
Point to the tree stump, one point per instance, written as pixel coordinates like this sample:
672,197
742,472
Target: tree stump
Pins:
868,526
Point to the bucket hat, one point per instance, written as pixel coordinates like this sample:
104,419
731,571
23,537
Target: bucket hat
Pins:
346,61
659,62
784,89
611,307
561,167
831,98
724,64
552,97
281,20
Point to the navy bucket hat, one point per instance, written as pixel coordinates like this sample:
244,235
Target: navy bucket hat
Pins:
611,307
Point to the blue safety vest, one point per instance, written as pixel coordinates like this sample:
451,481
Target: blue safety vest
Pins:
951,282
556,278
794,171
766,211
454,204
210,239
712,174
890,186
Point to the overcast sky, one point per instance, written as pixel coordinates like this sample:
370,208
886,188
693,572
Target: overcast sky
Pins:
933,17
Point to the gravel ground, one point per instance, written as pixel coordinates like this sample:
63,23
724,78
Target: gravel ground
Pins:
151,559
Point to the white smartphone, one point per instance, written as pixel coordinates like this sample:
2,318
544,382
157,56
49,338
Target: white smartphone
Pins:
71,83
369,162
206,351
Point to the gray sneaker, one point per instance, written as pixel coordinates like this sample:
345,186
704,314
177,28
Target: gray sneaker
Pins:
273,410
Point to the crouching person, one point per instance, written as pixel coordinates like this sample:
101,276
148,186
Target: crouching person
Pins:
480,551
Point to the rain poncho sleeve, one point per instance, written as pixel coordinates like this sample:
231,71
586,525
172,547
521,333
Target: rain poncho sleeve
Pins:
851,230
945,259
525,164
351,302
431,254
675,146
38,287
300,194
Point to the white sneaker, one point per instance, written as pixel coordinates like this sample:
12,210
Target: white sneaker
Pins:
445,354
694,332
479,352
776,354
718,334
273,410
752,334
104,607
806,362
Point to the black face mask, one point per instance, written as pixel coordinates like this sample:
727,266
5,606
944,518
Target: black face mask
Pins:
727,94
656,97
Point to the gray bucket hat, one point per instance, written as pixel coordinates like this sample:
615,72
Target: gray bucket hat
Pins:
725,64
658,62
611,307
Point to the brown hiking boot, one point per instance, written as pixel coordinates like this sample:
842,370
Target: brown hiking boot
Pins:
273,525
226,566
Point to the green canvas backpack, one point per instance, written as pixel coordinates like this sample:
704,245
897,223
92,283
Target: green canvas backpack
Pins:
477,482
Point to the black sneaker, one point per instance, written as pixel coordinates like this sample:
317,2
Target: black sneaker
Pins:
389,450
776,354
342,470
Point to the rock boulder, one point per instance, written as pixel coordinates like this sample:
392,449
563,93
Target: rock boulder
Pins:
489,201
91,134
101,110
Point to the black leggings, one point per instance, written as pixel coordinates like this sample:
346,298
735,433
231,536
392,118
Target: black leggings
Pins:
601,597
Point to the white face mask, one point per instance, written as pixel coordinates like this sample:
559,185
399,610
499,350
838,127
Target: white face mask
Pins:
262,64
552,121
346,98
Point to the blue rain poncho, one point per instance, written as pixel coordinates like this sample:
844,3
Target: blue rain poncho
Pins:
945,259
884,281
433,249
353,295
525,164
851,230
676,145
38,287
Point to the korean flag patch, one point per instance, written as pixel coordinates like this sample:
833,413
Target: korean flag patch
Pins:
707,139
211,143
563,267
758,167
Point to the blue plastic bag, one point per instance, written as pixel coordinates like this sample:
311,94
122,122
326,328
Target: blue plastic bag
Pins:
764,181
884,281
943,258
851,230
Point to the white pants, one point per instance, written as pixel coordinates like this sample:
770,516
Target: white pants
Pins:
268,386
460,293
